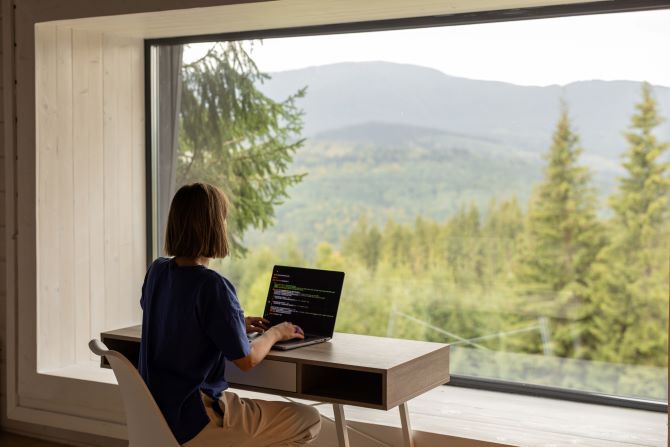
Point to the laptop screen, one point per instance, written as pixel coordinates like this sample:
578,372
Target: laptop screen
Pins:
306,297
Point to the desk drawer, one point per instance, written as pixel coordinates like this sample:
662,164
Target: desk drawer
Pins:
268,374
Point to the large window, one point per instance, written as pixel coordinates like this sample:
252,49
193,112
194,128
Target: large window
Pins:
501,187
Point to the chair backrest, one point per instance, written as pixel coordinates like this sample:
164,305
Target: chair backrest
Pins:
145,422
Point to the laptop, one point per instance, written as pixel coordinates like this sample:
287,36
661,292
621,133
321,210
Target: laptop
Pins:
308,298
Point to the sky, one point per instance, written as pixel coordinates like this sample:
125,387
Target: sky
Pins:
625,46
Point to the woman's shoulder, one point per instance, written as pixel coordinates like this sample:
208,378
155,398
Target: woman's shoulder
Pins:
160,261
156,266
217,288
216,279
199,274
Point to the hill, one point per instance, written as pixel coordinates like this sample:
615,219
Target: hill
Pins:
390,171
397,141
350,94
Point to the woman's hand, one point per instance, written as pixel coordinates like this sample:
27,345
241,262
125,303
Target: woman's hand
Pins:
256,324
260,346
287,331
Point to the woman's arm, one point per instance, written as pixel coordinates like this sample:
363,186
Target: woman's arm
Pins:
261,345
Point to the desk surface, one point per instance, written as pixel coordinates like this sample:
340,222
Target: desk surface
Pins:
361,352
345,370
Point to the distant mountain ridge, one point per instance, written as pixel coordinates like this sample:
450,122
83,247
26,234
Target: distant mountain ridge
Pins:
393,141
351,94
378,133
385,134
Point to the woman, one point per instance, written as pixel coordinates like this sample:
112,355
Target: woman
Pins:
192,321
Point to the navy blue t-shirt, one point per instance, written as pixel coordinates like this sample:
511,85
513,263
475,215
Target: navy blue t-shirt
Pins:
191,322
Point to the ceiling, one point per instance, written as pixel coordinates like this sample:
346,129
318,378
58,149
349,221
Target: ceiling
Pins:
286,14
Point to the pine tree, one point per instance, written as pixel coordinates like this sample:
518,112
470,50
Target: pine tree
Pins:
365,243
563,237
501,231
424,248
632,272
396,244
235,137
464,248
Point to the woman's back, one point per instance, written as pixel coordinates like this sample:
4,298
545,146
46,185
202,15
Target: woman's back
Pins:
191,321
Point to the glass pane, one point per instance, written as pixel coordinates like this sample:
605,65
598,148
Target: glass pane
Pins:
500,187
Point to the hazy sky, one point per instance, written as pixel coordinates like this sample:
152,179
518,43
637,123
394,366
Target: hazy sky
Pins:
630,46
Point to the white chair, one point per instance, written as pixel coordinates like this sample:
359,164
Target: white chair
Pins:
145,422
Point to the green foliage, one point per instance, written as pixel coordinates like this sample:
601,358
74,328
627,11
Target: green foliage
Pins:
561,241
431,177
563,235
632,272
235,137
364,243
502,284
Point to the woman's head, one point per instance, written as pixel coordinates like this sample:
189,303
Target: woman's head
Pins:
196,223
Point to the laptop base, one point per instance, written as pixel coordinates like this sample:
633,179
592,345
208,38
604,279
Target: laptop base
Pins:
293,344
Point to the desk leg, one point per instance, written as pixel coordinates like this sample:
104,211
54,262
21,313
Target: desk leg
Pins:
340,426
407,438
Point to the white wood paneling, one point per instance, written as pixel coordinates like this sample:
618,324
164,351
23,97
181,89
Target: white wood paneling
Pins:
88,47
137,261
122,136
115,144
55,203
65,223
89,152
82,148
48,212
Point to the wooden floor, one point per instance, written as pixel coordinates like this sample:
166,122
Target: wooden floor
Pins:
10,440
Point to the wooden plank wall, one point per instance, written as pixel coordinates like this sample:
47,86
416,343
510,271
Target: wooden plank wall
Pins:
90,189
3,251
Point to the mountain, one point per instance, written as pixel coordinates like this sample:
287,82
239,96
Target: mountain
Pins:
394,141
393,171
350,94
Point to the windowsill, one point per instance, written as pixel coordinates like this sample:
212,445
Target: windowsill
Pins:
523,420
88,371
486,416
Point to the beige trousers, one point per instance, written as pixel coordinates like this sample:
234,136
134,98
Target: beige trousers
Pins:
257,423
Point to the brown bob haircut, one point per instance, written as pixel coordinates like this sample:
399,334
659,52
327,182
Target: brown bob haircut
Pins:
196,224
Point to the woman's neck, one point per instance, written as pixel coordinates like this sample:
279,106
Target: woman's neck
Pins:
183,261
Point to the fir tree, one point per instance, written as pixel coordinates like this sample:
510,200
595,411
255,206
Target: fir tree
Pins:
365,243
501,232
396,244
464,248
632,272
424,248
235,137
563,237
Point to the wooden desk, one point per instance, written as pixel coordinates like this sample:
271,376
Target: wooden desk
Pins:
361,370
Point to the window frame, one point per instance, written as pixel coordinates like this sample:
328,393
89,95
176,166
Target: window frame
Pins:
504,15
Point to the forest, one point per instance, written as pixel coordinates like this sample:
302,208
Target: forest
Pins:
551,290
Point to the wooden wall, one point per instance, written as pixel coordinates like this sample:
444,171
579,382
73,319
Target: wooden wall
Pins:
90,189
3,255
